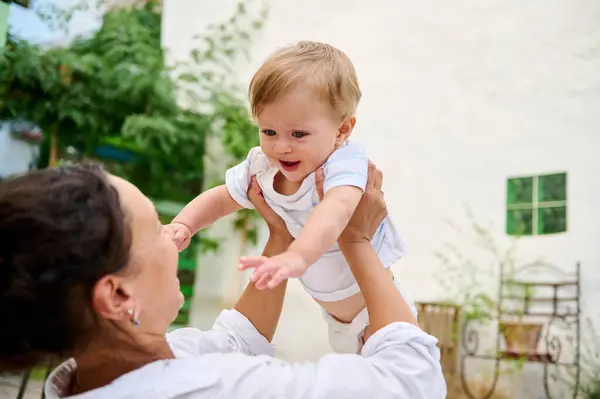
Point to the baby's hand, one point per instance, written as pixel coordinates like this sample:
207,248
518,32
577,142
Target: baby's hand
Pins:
270,272
181,235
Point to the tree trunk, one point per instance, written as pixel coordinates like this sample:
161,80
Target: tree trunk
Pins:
53,146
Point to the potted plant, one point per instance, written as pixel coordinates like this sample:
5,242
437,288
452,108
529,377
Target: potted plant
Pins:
467,273
521,337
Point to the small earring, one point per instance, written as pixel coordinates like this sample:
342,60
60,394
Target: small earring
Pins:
134,316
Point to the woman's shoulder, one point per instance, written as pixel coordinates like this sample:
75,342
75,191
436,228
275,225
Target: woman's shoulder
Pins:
204,376
188,341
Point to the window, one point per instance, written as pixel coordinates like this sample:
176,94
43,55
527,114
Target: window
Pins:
536,205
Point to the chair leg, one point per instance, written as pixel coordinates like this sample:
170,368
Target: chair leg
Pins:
48,371
24,382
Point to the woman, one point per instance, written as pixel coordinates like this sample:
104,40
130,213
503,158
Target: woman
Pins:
87,272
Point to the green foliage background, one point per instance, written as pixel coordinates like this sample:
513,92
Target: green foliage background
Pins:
114,90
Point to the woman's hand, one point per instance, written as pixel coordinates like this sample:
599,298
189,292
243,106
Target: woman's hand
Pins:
276,225
279,236
369,213
263,307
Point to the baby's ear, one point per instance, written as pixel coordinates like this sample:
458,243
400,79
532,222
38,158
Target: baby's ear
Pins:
345,130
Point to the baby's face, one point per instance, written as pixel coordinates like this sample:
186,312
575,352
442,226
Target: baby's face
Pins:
298,132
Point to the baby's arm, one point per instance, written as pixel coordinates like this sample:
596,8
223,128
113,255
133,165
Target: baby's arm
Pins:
326,223
207,208
223,200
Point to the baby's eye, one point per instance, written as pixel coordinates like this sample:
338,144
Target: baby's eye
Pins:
269,132
299,134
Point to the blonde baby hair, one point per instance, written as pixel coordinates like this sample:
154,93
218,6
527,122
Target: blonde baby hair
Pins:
318,65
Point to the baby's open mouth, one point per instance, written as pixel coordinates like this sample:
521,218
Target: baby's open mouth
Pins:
289,166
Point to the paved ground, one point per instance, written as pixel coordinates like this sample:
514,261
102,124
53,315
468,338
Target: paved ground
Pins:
9,388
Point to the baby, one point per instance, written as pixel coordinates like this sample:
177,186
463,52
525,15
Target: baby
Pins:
304,98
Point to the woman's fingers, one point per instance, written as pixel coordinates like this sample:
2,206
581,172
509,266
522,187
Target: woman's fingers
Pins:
319,181
255,195
371,177
257,199
378,180
374,178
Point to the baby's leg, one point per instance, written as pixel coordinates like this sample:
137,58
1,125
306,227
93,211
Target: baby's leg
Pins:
350,337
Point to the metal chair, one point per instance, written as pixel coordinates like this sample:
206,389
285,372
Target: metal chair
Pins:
25,381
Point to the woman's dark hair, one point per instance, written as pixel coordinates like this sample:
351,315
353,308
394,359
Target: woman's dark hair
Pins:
61,230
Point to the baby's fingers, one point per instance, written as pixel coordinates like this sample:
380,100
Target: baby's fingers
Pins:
278,278
258,274
269,266
249,262
263,282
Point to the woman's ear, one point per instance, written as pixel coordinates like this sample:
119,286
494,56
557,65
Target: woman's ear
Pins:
345,130
111,299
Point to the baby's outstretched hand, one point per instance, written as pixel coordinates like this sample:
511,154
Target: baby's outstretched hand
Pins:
180,234
270,272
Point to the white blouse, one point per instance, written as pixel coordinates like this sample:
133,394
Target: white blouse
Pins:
233,361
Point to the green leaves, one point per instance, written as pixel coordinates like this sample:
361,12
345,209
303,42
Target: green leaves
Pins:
113,90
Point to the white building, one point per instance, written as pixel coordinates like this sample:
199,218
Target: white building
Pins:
458,97
16,154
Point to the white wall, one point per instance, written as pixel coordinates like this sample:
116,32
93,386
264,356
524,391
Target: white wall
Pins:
457,97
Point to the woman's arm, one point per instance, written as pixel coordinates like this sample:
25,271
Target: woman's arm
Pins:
399,360
250,326
263,307
384,303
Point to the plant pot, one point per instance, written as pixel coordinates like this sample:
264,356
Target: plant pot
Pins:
521,337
